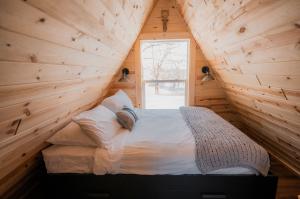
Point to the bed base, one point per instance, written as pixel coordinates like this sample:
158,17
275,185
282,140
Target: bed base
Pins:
89,186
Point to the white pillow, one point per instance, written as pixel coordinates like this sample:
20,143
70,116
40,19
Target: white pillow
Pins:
71,135
100,124
116,102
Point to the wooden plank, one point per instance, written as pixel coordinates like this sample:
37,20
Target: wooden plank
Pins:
276,111
114,21
138,75
42,112
276,150
269,55
213,84
13,72
14,94
12,155
158,28
257,21
76,16
277,68
274,106
29,108
16,47
239,79
23,18
191,72
266,93
23,171
280,36
287,145
211,101
210,93
167,35
290,82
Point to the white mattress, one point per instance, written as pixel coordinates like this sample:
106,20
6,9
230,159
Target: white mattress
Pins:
160,143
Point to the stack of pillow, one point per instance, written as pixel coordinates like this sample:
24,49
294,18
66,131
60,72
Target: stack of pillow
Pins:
97,127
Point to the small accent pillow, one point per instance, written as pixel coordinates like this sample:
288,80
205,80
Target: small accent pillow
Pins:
100,124
72,135
127,118
116,102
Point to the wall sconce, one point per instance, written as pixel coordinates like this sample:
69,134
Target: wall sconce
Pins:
207,76
124,77
164,18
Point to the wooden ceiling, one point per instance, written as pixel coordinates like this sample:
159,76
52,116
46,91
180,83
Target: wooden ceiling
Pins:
254,49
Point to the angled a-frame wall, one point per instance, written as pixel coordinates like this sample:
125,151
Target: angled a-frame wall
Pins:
56,59
254,48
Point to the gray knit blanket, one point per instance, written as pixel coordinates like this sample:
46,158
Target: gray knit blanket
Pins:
220,145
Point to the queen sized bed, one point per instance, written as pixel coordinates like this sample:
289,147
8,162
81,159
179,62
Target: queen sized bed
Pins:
160,143
155,160
187,153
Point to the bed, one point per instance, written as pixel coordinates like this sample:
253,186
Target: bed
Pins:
155,160
161,143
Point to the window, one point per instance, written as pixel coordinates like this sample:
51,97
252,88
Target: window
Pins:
164,73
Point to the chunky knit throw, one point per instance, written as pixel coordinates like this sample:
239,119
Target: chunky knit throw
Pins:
220,145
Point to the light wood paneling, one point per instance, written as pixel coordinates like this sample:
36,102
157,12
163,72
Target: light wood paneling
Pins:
56,60
253,46
58,57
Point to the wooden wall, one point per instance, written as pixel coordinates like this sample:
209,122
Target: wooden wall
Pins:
253,46
208,94
56,59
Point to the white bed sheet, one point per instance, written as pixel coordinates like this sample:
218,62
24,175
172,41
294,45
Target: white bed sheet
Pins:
160,143
69,159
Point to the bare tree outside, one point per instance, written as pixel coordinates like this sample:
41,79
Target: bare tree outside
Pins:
164,69
159,54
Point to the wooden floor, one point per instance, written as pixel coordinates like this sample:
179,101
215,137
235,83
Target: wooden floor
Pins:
288,183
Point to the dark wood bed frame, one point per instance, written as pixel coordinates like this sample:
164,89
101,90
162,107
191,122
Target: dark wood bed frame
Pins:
125,186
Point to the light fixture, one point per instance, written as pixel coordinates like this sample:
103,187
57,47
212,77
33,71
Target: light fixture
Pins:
207,76
164,18
124,77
